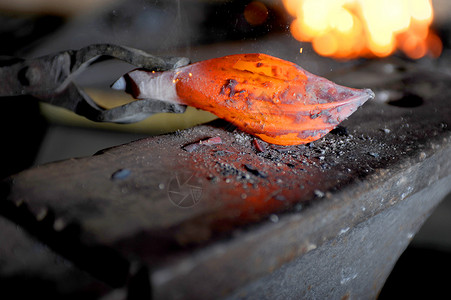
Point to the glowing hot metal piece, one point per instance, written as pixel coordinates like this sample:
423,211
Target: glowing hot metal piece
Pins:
273,99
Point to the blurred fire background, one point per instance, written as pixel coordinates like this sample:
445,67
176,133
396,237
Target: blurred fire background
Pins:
322,36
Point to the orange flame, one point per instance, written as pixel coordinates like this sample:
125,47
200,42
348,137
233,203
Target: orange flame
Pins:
355,28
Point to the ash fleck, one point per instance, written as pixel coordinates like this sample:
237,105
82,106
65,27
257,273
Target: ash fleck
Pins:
298,207
191,147
206,142
228,170
213,179
121,174
241,138
374,154
259,146
280,198
283,149
219,153
319,194
255,171
274,218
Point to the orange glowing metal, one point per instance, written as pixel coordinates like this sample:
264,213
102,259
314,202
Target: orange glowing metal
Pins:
353,28
273,99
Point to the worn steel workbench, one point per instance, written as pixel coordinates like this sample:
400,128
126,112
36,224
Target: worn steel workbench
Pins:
158,218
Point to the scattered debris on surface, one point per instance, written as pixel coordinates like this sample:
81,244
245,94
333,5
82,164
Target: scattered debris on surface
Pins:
258,145
255,171
121,174
206,142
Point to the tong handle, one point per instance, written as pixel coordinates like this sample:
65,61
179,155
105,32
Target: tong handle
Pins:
50,79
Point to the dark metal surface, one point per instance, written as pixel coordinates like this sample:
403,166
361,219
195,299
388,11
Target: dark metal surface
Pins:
49,79
357,261
247,219
29,268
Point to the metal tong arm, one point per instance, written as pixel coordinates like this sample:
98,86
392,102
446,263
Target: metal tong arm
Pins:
49,78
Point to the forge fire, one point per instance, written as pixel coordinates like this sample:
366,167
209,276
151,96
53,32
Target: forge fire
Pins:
348,29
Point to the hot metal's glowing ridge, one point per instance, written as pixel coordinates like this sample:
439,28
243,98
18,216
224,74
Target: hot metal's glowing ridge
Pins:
273,99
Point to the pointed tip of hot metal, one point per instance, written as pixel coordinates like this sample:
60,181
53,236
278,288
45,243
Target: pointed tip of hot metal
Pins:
365,95
119,85
370,94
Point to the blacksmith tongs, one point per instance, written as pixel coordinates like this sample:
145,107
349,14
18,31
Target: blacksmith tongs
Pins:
49,79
